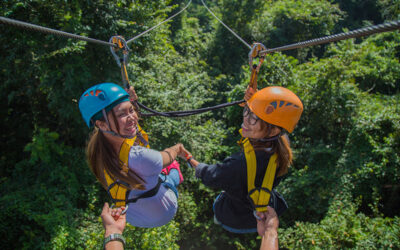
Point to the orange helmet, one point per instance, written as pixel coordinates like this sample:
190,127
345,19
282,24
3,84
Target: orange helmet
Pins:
278,106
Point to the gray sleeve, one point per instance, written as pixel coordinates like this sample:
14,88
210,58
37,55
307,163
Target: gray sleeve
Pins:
145,161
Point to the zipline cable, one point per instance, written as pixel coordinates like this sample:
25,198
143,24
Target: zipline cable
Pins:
352,34
35,27
226,26
237,36
385,27
185,112
390,26
144,32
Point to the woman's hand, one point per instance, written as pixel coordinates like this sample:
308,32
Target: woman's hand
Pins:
249,93
113,220
132,94
269,221
183,153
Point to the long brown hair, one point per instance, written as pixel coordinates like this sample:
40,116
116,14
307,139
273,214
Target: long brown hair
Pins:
101,157
281,147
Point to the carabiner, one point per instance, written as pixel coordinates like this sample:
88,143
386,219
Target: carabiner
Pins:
254,52
122,46
123,211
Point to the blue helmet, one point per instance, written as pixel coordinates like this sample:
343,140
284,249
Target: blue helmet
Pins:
99,97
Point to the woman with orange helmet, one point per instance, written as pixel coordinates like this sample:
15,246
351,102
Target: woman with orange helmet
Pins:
248,178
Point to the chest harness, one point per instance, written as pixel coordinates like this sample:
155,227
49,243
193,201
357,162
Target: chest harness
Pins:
259,196
119,190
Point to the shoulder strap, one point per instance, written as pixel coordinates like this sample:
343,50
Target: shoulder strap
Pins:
147,194
142,137
117,189
258,196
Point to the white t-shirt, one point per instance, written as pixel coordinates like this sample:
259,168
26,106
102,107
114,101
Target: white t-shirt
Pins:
159,209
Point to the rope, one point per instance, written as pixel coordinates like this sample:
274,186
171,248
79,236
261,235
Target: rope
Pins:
30,26
144,32
226,26
390,26
186,112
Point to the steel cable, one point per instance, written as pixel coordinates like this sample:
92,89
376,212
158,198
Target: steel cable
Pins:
144,32
42,29
185,112
226,26
390,26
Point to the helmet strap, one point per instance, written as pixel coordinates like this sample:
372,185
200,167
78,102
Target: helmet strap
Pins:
116,134
110,131
273,138
106,118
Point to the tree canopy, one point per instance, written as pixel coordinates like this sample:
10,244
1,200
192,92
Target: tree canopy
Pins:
343,188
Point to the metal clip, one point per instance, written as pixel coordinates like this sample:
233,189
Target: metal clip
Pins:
254,52
121,51
123,211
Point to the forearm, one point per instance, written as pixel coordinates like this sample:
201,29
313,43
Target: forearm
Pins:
193,162
169,155
270,240
114,245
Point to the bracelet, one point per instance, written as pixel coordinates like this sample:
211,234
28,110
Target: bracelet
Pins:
113,237
188,158
169,156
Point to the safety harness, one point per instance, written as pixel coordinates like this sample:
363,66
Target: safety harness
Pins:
119,190
259,196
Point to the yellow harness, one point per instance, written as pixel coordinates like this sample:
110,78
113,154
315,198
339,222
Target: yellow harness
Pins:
258,196
117,189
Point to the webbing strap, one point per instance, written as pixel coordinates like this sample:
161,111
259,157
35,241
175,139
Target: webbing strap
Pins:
147,194
118,190
268,181
259,196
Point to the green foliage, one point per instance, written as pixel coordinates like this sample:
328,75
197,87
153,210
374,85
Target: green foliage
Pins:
374,63
343,227
390,9
286,22
34,208
350,125
331,90
359,12
371,154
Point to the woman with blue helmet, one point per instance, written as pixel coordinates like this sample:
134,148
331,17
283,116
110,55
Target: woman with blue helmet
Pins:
119,156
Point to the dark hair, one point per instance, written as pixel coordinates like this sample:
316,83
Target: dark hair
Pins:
102,157
281,147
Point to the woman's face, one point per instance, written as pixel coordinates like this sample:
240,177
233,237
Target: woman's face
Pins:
254,128
126,118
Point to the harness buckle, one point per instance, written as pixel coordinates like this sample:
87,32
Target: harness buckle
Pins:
253,204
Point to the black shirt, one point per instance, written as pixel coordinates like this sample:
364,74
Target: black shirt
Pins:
233,208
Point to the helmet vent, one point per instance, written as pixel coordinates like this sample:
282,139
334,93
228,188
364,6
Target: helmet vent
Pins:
269,109
102,97
274,104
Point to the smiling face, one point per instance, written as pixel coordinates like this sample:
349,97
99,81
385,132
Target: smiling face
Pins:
126,118
255,128
123,120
